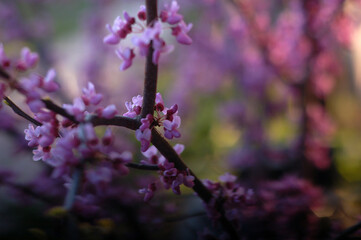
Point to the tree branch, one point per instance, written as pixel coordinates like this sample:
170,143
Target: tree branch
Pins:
59,110
171,155
20,112
120,121
151,70
142,166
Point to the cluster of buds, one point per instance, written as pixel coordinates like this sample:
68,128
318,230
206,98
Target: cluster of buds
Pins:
169,176
233,196
166,117
26,61
150,34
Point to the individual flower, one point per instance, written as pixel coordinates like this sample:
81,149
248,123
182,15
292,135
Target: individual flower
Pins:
48,83
170,128
126,55
108,112
89,95
180,32
148,192
160,47
142,14
144,137
120,29
32,135
151,156
134,107
170,13
27,59
47,134
76,109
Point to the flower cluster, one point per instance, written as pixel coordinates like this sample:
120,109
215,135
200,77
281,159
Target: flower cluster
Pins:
150,34
166,117
169,176
89,98
233,196
63,144
26,61
76,145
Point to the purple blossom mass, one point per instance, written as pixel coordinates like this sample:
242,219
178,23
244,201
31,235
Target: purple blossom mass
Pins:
250,129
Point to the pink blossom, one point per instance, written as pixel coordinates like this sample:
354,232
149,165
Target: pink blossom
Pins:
188,181
31,85
176,184
76,109
49,84
134,107
144,138
41,153
47,135
142,44
44,115
89,95
170,128
179,148
151,156
142,15
108,112
172,172
115,31
227,177
120,29
32,135
170,14
126,55
146,122
160,46
159,103
148,192
180,31
27,60
170,112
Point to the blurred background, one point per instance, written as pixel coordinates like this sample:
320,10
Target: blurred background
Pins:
269,91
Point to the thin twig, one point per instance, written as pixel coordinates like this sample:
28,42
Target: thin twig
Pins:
59,110
120,121
20,112
142,166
